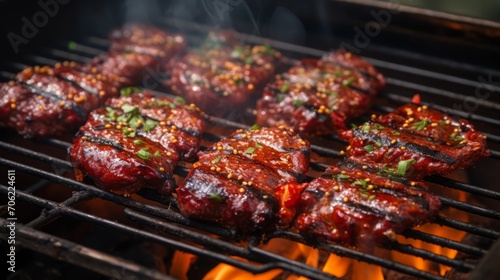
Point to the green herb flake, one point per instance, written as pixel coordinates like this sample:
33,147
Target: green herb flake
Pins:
254,127
354,126
215,197
360,182
338,73
285,88
72,45
442,122
138,142
377,127
456,137
248,60
149,124
371,197
258,146
366,127
267,49
129,109
157,154
342,176
111,113
180,100
250,150
368,148
396,133
128,91
217,159
144,154
129,132
379,144
421,124
297,103
280,97
332,93
348,82
404,165
237,52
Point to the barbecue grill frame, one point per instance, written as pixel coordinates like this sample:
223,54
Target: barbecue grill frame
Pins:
155,217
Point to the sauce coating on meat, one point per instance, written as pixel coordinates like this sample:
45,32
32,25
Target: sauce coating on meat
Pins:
146,39
415,141
359,208
225,79
235,181
136,141
317,96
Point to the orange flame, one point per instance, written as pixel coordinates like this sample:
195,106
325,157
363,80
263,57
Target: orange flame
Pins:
351,269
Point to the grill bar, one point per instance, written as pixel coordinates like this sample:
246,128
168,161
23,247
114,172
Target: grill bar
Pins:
71,252
143,213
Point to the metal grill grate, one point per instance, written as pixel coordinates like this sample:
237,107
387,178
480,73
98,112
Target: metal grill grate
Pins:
166,226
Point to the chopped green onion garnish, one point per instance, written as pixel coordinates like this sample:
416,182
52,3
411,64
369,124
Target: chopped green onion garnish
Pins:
127,108
157,154
332,93
130,132
456,137
217,159
371,197
127,91
180,100
280,97
354,126
396,133
257,145
348,81
297,103
144,154
285,88
368,148
421,124
338,73
342,176
377,126
362,183
138,142
215,197
250,150
404,165
366,127
149,124
254,127
379,144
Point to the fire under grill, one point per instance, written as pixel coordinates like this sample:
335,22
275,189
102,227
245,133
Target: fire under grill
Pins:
157,220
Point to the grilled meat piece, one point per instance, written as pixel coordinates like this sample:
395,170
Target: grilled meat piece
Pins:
223,80
146,39
319,96
135,142
234,182
64,97
180,126
355,207
94,83
34,112
125,68
414,141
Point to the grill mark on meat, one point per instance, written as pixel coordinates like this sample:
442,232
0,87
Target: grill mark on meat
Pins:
409,131
422,150
102,141
51,96
77,85
191,132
